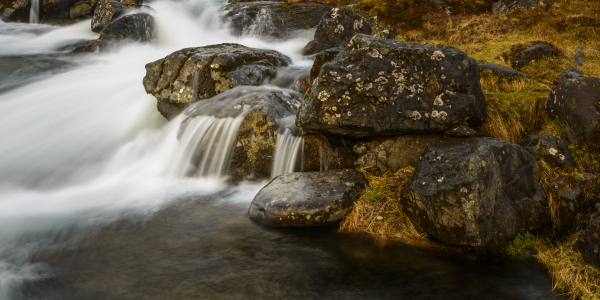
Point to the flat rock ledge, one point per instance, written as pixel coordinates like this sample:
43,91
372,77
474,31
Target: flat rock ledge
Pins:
307,199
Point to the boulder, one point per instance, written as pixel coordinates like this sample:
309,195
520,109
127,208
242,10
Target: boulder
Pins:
323,57
508,6
307,199
588,242
386,33
326,153
397,153
477,192
579,59
14,10
338,26
81,9
310,48
531,54
130,28
107,11
555,151
193,74
272,19
568,73
575,103
500,71
379,87
262,108
572,202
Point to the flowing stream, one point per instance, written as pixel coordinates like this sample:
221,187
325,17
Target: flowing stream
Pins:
98,199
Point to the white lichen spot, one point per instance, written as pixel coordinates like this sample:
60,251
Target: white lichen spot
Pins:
441,179
375,54
438,100
443,76
323,96
335,13
339,29
552,151
562,157
439,114
464,190
349,76
438,55
415,115
349,113
358,24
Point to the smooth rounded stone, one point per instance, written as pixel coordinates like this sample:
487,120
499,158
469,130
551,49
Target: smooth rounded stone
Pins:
579,58
575,104
14,10
264,109
272,19
130,28
508,6
310,48
380,87
323,153
477,192
460,131
108,11
386,33
338,26
307,199
531,54
193,74
321,58
500,71
397,153
568,73
588,242
555,151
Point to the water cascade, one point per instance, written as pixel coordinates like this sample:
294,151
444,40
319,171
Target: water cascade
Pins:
34,12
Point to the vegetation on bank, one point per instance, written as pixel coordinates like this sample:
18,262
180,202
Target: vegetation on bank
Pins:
516,107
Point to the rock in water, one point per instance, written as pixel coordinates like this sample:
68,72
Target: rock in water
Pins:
322,58
477,192
508,6
589,241
575,103
307,199
337,27
107,11
193,74
14,10
137,27
386,87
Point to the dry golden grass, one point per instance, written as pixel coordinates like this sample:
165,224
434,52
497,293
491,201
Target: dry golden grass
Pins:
378,211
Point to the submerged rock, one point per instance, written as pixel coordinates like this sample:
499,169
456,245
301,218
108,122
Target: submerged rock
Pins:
108,11
477,192
386,87
193,74
500,71
338,26
575,103
307,199
131,28
588,242
508,6
531,54
14,10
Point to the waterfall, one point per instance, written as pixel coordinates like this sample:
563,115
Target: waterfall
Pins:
206,142
262,24
34,12
288,153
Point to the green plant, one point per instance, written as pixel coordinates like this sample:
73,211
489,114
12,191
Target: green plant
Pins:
522,245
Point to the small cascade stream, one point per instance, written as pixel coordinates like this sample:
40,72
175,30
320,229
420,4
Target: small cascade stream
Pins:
34,12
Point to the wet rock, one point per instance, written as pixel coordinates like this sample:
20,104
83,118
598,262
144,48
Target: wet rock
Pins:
386,33
273,19
397,153
380,87
568,73
531,54
508,6
130,28
460,131
579,59
555,151
88,46
477,192
323,57
588,242
307,199
193,74
338,26
14,10
81,9
575,104
309,49
500,71
107,11
326,153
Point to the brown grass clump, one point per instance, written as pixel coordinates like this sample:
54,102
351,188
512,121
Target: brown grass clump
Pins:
569,272
378,211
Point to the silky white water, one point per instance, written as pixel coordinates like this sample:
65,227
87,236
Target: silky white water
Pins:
86,146
288,153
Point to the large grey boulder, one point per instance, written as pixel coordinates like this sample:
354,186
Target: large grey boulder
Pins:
108,11
508,6
193,74
575,103
477,192
307,199
338,26
386,87
130,28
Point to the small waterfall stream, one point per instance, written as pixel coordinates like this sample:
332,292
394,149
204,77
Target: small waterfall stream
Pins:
34,12
288,153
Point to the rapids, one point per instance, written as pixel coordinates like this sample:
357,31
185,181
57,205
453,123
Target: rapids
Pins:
96,200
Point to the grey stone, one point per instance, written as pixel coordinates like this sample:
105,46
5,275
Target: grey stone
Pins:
14,10
322,58
531,54
338,26
386,33
108,11
307,199
568,73
460,131
588,242
579,59
555,151
508,6
500,71
130,28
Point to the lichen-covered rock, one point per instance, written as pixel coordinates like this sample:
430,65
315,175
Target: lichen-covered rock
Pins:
107,11
508,6
575,103
310,48
387,87
326,153
531,54
337,27
477,192
588,242
568,73
263,108
500,71
307,199
130,28
397,153
323,57
386,33
193,74
14,10
272,19
555,151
